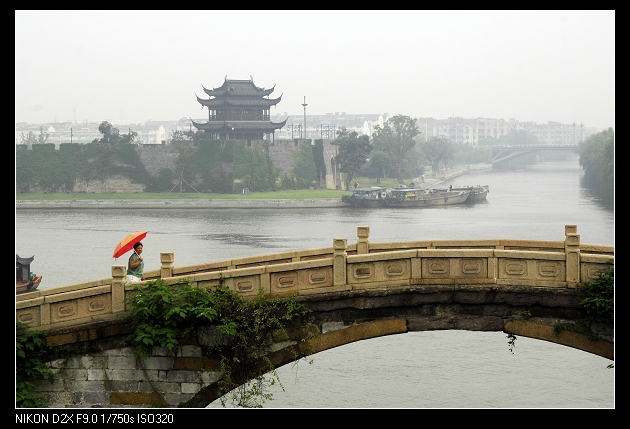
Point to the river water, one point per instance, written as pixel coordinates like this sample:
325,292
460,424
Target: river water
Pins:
436,369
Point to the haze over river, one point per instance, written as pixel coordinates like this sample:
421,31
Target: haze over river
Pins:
435,369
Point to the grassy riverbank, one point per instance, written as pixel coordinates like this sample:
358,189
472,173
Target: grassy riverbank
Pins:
280,194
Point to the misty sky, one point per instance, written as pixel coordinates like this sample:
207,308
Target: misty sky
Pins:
133,66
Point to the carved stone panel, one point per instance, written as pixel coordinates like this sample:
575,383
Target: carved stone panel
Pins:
315,278
80,307
29,315
283,282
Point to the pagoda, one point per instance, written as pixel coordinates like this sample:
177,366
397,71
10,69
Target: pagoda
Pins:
238,109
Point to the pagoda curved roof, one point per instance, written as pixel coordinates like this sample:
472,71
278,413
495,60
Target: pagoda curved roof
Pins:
238,88
214,103
239,126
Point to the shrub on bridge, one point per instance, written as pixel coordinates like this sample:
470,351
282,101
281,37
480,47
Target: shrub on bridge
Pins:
600,297
599,304
31,370
162,314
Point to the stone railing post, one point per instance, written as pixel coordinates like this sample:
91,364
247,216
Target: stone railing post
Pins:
118,288
167,259
363,245
572,252
340,258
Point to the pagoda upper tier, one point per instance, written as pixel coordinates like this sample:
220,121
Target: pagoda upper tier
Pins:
239,109
238,93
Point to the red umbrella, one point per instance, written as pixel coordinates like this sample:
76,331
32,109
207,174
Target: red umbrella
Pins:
126,244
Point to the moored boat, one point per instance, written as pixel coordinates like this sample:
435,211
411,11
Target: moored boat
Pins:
404,197
411,197
25,280
366,197
477,193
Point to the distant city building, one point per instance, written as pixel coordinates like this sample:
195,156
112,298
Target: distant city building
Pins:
238,109
472,131
461,130
326,126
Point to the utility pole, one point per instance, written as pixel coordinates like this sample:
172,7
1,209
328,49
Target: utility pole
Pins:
304,104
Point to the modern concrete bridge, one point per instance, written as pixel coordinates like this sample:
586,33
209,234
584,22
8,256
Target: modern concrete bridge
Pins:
356,291
505,152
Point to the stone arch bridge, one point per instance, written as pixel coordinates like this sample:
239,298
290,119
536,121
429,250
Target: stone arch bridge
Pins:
356,291
503,153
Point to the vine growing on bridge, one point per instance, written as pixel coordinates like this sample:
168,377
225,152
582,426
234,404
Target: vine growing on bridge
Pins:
31,352
599,303
163,314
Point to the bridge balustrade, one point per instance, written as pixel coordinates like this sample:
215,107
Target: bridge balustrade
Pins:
342,267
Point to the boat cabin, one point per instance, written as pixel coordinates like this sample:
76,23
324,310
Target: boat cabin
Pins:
23,268
369,193
406,193
23,280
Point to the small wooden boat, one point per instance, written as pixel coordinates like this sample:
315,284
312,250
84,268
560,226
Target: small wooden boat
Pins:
25,281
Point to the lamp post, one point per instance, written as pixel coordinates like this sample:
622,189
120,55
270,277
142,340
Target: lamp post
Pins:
304,104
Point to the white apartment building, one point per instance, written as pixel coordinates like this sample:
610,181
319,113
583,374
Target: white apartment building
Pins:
473,130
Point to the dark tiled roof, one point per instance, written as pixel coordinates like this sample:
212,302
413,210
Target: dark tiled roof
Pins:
238,88
214,103
239,126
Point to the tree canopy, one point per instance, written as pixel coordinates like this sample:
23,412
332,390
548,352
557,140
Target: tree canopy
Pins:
597,158
354,151
437,151
113,136
397,139
31,138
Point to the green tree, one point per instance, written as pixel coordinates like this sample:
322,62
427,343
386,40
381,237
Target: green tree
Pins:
397,139
379,161
112,135
183,142
468,154
354,151
320,163
437,151
31,138
304,170
251,166
597,158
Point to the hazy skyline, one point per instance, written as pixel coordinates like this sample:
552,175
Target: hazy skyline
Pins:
133,66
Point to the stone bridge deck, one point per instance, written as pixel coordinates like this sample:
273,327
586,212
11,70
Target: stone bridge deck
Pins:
356,291
343,267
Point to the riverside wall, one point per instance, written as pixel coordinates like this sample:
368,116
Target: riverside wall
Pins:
239,203
181,204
